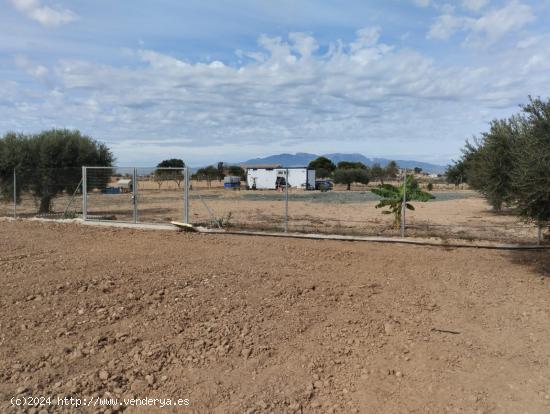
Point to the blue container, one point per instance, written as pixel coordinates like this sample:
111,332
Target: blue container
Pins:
111,190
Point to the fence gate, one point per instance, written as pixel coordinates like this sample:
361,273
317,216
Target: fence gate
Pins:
145,195
160,194
108,194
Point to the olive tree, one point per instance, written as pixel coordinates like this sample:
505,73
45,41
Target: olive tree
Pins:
377,173
209,174
50,163
236,171
390,171
323,167
455,173
352,165
491,163
531,175
350,176
510,164
165,171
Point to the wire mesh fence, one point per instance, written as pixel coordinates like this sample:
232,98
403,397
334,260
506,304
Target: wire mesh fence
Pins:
42,192
161,195
145,195
214,205
109,193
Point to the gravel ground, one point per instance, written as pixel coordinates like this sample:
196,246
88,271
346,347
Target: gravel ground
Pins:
251,325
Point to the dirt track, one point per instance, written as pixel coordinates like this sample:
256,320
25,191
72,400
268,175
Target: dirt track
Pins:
253,325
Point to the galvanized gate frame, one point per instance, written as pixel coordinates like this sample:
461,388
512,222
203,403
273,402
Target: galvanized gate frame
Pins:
134,195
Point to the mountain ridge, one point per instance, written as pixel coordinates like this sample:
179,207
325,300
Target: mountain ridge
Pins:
301,159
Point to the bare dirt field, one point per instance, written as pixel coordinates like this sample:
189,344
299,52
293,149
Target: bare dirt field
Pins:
255,324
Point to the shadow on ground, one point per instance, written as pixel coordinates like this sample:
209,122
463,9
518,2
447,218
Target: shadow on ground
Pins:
537,261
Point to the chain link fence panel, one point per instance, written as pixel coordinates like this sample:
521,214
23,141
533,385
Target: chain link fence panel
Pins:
160,195
42,192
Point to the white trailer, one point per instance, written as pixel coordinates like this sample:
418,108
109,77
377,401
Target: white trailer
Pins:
301,178
273,178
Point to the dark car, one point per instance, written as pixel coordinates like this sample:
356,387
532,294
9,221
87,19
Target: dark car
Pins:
324,185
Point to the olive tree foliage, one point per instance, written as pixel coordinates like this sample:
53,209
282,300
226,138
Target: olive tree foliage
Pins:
352,165
531,175
169,174
487,163
50,163
391,170
455,173
349,176
377,173
510,164
323,167
209,174
171,163
236,171
13,154
491,162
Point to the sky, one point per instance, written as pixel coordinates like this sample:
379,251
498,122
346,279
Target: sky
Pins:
206,81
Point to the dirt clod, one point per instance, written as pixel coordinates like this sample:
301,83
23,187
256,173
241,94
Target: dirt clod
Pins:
241,324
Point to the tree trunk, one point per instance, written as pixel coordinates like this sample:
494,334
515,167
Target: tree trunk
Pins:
45,204
349,186
397,219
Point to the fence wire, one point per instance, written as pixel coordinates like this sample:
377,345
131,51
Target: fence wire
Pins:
42,192
160,195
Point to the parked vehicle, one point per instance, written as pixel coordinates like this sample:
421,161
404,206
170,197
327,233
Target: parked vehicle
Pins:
324,185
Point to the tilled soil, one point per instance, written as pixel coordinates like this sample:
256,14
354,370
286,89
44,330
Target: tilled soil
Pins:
251,325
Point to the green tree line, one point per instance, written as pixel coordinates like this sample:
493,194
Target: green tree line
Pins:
510,164
348,172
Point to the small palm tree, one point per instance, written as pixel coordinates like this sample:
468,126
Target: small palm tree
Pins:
392,197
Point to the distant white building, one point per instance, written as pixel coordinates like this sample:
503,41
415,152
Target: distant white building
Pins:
271,178
124,184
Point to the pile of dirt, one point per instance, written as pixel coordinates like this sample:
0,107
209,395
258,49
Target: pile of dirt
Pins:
250,325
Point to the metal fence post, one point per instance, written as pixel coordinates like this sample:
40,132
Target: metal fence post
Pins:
186,196
286,201
84,194
134,195
404,206
14,194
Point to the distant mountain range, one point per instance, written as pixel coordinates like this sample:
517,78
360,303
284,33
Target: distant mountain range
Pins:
303,159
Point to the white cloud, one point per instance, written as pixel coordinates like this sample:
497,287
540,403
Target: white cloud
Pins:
364,95
366,37
497,23
422,3
475,5
45,15
528,42
35,70
487,29
304,44
447,25
446,8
